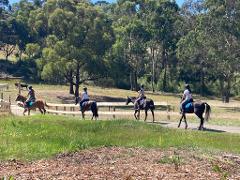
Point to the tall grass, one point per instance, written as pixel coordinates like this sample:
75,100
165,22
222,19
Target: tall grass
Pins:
38,137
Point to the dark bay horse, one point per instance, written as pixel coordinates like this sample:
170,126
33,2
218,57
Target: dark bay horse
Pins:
37,104
198,108
149,104
87,106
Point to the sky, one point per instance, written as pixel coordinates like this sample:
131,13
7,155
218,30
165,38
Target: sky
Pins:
178,1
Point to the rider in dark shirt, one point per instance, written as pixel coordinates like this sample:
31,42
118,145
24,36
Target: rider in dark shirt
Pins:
31,96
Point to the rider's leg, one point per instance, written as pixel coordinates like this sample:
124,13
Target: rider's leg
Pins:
184,103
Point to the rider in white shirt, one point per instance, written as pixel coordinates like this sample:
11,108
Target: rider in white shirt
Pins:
141,95
187,97
84,97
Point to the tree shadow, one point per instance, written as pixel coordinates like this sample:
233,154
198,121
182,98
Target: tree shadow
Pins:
71,99
231,109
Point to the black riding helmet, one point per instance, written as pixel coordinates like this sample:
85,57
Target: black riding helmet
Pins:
187,86
30,87
85,88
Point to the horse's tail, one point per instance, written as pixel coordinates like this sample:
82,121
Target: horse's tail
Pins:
151,104
207,111
94,109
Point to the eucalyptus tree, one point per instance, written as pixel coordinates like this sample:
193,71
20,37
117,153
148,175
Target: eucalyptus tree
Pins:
161,20
131,37
82,34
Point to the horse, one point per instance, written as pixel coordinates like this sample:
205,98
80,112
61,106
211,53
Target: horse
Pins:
87,106
198,108
149,104
37,104
21,85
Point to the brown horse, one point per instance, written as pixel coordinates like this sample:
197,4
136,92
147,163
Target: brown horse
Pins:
37,104
87,106
198,108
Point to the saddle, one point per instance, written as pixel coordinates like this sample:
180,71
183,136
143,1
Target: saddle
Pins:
141,104
189,108
29,104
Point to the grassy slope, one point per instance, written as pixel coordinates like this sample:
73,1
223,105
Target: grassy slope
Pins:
37,137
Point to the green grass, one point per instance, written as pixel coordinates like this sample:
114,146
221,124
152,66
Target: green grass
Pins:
36,137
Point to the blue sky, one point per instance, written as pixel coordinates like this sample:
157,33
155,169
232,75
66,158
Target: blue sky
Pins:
178,1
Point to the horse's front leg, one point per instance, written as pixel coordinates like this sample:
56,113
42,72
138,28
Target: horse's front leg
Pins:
138,114
153,115
25,110
180,121
83,115
28,112
135,114
185,119
146,114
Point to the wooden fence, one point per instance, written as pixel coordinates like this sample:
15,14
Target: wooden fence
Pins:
4,87
5,106
105,108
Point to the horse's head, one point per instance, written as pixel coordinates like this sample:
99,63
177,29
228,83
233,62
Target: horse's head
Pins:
21,98
129,99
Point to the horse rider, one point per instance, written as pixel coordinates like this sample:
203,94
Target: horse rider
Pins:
141,96
187,97
84,97
31,96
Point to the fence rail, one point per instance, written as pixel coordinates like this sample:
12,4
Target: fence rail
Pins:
114,109
4,87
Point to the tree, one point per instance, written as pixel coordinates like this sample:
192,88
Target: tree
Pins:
82,35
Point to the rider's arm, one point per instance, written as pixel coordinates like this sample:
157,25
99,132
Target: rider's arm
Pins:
183,97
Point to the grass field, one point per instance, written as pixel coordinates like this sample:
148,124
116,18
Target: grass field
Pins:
35,137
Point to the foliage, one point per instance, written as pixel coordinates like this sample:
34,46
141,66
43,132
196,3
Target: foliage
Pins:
128,42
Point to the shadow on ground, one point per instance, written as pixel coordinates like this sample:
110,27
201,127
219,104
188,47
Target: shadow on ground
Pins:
70,99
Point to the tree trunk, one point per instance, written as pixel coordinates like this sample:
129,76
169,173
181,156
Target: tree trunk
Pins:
153,69
202,84
227,99
225,89
77,80
135,81
131,80
71,90
164,55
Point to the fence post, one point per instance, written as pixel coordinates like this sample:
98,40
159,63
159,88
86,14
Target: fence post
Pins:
168,110
114,109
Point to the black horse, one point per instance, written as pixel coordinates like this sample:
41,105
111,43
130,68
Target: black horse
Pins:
198,108
89,105
149,104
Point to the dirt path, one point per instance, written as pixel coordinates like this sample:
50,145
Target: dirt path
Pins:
208,127
127,163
